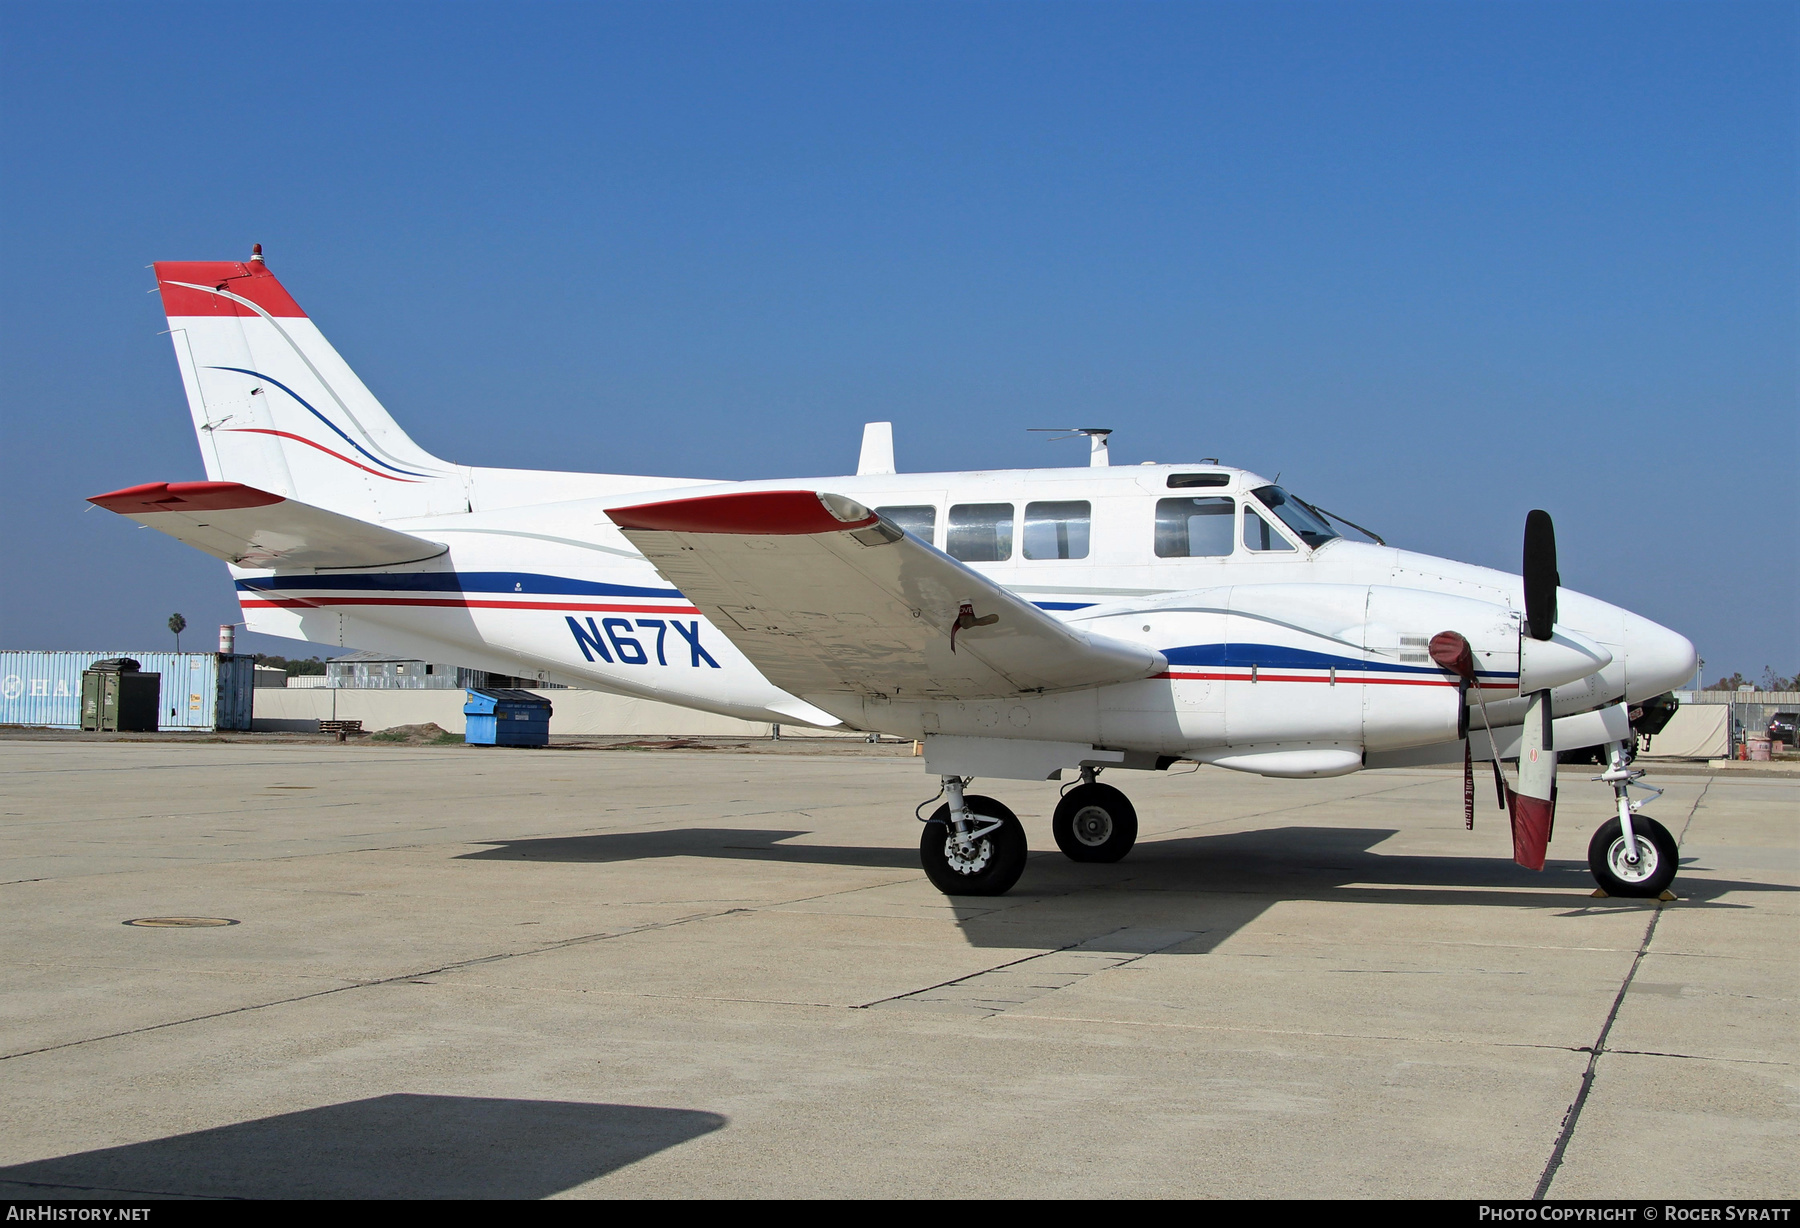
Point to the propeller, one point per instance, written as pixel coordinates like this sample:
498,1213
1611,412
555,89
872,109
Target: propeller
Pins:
1532,805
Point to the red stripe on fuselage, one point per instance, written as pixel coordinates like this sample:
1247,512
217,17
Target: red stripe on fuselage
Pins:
263,430
456,603
1346,679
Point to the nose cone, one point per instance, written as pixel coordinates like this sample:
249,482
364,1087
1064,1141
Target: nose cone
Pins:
1656,658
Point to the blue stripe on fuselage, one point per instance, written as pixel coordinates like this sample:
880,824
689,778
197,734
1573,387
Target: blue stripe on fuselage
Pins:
491,582
1276,656
520,582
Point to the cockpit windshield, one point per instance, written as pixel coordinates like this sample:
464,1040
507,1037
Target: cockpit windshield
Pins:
1296,515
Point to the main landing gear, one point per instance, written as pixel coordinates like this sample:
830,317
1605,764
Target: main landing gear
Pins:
1094,822
972,845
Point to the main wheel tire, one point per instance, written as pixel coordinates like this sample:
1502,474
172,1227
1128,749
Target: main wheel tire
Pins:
1658,859
1095,823
999,856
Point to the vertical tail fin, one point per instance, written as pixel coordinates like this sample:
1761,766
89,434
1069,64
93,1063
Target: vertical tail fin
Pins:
275,407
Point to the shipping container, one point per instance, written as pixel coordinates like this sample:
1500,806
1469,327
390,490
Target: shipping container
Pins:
200,690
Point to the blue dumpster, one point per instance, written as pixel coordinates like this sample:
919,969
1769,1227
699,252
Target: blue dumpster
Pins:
497,716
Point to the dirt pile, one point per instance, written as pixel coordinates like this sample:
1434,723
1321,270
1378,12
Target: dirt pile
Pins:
428,734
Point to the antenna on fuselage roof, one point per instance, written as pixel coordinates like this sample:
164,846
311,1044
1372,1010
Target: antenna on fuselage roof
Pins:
877,448
1096,436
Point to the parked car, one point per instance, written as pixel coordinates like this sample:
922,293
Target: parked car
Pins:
1781,728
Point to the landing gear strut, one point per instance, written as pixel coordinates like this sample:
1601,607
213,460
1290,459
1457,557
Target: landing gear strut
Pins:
1631,855
1094,822
972,845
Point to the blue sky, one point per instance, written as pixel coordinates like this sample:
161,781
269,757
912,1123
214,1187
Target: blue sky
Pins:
1437,264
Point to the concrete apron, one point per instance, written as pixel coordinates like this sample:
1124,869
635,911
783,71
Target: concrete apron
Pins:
487,973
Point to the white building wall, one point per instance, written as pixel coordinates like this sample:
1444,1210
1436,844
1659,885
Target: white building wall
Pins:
573,713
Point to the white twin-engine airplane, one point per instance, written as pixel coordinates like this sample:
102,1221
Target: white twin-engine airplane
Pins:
1022,623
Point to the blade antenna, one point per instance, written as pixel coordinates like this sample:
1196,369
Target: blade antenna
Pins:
1096,436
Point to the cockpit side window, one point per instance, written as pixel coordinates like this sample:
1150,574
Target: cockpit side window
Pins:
980,532
1193,528
919,520
1307,525
1259,534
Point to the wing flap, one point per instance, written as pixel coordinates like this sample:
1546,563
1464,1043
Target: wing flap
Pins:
253,528
823,595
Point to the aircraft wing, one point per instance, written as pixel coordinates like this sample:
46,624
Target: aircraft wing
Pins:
823,595
253,528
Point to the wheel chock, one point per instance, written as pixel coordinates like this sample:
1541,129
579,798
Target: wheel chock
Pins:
1599,894
1668,896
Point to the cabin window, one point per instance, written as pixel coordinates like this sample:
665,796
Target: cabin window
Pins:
1180,481
1259,534
1193,528
1307,524
1057,530
920,520
980,532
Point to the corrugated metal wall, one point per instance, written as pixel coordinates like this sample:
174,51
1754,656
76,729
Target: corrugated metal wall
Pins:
200,690
1785,699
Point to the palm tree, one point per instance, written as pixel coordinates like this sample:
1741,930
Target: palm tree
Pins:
177,624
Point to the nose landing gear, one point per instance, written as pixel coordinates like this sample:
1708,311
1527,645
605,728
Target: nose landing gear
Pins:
1632,855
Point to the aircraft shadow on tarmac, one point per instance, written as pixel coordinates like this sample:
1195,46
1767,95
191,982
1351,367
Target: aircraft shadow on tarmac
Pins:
400,1146
1208,886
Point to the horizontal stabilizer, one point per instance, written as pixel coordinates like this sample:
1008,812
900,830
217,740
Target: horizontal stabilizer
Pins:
824,596
253,528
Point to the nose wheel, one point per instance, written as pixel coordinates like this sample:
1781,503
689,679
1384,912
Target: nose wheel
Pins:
1094,822
1644,877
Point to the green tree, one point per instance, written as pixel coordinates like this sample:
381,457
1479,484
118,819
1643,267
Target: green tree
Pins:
177,624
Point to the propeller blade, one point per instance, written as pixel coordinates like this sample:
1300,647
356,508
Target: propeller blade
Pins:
1541,578
1533,803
